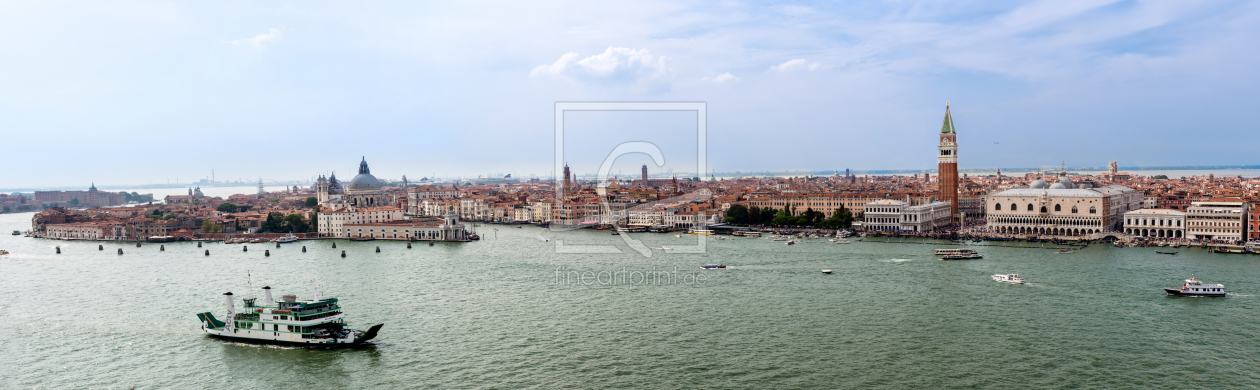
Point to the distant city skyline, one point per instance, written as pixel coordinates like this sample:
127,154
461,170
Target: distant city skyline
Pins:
137,93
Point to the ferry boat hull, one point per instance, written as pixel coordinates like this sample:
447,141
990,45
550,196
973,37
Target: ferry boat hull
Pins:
214,328
332,343
1178,292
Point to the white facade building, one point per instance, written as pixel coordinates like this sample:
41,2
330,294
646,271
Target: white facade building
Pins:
1217,219
332,223
884,214
1163,223
925,217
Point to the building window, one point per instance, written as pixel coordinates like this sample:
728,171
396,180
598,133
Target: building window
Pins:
1073,209
1030,207
1092,210
997,207
1057,209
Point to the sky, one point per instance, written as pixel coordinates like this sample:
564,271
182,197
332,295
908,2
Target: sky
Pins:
135,92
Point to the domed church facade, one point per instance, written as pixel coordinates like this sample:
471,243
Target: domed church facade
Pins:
364,190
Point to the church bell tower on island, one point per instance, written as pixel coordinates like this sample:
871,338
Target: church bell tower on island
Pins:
947,164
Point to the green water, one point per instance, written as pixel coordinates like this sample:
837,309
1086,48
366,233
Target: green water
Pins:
491,314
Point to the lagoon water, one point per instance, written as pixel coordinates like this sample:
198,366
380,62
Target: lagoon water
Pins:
495,313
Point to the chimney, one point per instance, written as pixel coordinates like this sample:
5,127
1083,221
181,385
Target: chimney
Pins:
267,292
230,320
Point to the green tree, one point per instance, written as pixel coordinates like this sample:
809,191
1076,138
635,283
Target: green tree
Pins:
785,216
227,208
1161,177
312,201
840,219
74,202
810,217
737,214
210,227
296,224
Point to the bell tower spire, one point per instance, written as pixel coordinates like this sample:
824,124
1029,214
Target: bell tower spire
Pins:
947,163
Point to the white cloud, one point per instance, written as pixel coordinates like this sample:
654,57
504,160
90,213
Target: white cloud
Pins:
796,10
257,41
795,65
616,65
722,78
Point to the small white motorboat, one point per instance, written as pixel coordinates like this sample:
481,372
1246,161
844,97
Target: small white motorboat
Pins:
668,248
1009,278
1194,288
827,271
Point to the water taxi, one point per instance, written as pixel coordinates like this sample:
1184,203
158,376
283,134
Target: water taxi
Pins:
286,239
962,256
713,266
1008,278
791,242
839,241
3,252
706,232
317,322
827,271
954,251
1230,249
1195,288
667,248
17,233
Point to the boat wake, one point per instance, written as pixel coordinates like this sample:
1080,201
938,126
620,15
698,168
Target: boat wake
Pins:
895,260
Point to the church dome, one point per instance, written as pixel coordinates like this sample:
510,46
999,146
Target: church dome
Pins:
1038,184
197,192
1058,186
1066,182
364,180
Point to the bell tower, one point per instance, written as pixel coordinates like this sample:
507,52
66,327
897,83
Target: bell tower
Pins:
947,164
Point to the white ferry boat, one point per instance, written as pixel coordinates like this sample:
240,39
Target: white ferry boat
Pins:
318,322
962,256
287,239
954,251
1009,278
1195,288
706,232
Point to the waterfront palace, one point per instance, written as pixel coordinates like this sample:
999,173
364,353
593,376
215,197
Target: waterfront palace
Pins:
1061,208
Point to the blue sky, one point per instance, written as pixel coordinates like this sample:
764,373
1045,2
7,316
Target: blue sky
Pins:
139,92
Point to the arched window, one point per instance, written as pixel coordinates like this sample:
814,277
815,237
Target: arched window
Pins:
1013,208
997,207
1073,209
1057,208
1043,209
1030,207
1092,210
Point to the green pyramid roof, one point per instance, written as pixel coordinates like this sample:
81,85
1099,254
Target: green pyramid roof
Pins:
948,126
